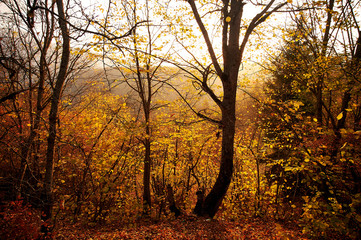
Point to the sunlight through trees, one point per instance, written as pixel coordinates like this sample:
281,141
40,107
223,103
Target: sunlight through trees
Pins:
179,114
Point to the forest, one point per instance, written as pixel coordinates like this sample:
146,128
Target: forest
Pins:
180,119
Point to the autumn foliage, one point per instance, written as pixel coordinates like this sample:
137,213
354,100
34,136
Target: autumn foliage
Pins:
154,129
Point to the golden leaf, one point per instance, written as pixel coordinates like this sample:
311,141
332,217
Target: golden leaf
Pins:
340,116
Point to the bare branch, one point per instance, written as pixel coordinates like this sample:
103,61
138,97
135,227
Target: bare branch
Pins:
206,38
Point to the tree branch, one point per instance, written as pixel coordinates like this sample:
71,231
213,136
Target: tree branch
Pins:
206,38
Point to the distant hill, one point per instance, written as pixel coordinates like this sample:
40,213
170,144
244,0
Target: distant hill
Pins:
116,82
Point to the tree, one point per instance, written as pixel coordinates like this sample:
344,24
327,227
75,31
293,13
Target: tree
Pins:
140,68
311,83
30,53
40,77
143,80
63,21
53,114
232,51
38,72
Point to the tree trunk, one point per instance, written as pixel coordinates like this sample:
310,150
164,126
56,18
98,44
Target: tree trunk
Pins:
53,115
172,205
198,209
320,83
319,101
146,178
219,190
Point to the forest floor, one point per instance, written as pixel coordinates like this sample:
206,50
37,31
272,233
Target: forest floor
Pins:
184,227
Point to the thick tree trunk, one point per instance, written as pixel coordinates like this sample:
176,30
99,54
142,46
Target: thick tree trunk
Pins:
198,209
172,205
219,190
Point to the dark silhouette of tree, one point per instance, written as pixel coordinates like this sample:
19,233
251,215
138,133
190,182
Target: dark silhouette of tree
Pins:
227,70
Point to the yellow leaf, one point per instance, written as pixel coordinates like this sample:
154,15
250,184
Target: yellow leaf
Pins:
340,116
228,19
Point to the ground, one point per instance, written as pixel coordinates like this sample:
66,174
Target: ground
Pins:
185,227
